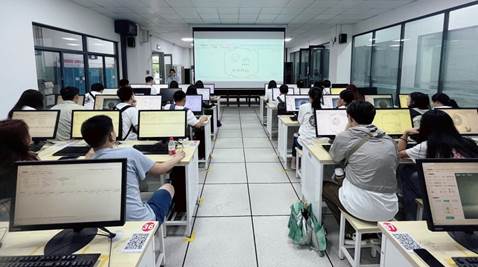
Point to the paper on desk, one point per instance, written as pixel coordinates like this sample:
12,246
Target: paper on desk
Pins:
136,243
406,241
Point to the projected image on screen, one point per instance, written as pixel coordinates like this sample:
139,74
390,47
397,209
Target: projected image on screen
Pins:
238,59
468,186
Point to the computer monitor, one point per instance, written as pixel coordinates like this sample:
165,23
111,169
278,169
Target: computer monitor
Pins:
330,101
330,122
275,93
41,124
156,88
141,90
80,101
69,195
336,91
450,187
340,85
380,101
157,125
205,92
80,116
106,102
292,88
394,122
184,87
148,102
110,91
168,94
293,102
304,91
465,119
403,99
194,103
211,87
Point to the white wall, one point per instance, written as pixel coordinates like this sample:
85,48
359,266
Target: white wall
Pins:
18,71
139,58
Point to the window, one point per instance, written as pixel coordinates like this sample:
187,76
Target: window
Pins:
156,68
95,70
295,58
304,65
45,37
361,58
100,46
111,72
48,74
74,71
421,55
385,55
319,63
461,59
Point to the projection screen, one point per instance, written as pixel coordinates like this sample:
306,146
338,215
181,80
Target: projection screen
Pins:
239,58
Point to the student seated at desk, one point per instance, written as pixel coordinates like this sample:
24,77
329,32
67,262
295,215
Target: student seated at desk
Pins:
98,132
128,113
441,100
69,95
441,140
346,97
325,84
271,85
174,85
357,95
281,108
199,84
29,100
123,83
369,189
15,144
306,120
179,98
418,103
95,89
149,80
192,90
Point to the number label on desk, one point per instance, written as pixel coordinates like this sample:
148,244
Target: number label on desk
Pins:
390,227
148,226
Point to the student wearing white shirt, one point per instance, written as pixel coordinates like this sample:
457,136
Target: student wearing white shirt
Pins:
69,95
441,100
280,100
149,80
441,139
128,113
95,89
30,99
271,85
179,98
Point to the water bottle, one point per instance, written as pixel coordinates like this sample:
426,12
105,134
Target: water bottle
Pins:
172,146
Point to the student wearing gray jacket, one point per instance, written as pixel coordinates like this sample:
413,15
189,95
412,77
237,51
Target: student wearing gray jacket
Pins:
369,189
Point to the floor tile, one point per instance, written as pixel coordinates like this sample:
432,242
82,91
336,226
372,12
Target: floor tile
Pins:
175,250
229,143
274,248
292,176
257,143
272,199
266,173
298,188
226,173
222,242
230,126
261,155
228,155
224,200
229,133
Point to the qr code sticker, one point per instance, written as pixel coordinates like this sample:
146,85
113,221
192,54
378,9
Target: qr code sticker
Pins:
136,243
406,241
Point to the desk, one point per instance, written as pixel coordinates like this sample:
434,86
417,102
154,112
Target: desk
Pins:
205,145
262,110
439,244
272,119
186,177
213,127
286,130
32,243
217,100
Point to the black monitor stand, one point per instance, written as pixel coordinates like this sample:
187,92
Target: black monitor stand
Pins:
469,240
69,241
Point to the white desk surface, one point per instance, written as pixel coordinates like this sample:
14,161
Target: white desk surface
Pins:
285,119
318,151
33,242
439,244
271,105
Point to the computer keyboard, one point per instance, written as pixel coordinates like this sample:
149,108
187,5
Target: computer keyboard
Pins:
326,147
158,149
72,151
77,260
36,147
466,261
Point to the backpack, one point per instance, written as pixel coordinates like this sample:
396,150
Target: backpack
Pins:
281,107
132,128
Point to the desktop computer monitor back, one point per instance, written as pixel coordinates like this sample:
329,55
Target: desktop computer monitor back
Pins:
68,194
293,102
80,101
330,122
168,94
465,119
142,90
41,124
148,102
80,116
157,125
393,122
106,102
194,103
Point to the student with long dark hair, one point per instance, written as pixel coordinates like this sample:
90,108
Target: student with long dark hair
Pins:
357,95
192,90
346,97
442,140
30,99
270,86
418,103
199,84
15,144
173,84
441,100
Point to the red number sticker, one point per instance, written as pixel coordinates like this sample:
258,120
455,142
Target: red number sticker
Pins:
390,227
148,226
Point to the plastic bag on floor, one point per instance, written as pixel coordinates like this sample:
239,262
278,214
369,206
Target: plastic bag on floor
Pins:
304,229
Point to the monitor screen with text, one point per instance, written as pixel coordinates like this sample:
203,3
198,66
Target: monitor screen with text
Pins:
148,102
194,103
80,116
106,102
41,124
211,87
330,122
393,121
205,92
162,124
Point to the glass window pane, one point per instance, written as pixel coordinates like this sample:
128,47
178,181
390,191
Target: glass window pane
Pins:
386,52
461,59
421,55
100,46
74,71
362,50
48,74
304,65
46,37
316,60
296,66
111,72
95,70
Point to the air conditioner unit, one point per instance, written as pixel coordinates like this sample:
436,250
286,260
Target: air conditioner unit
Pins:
144,36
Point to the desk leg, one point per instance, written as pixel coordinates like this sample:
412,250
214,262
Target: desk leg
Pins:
269,122
261,110
282,142
159,247
192,191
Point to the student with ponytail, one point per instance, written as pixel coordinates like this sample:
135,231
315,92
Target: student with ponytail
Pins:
441,100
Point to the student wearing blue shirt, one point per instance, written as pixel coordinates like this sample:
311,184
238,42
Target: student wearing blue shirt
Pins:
99,134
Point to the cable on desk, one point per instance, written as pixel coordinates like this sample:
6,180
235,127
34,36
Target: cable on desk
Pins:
111,247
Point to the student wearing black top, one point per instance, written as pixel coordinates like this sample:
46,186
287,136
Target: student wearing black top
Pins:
15,144
29,100
173,84
123,83
199,84
441,100
281,108
418,103
346,97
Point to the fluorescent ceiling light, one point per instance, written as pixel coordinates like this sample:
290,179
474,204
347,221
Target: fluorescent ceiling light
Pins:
69,38
99,44
187,39
288,39
72,44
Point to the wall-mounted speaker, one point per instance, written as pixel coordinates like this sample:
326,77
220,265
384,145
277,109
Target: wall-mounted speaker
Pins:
126,27
342,38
